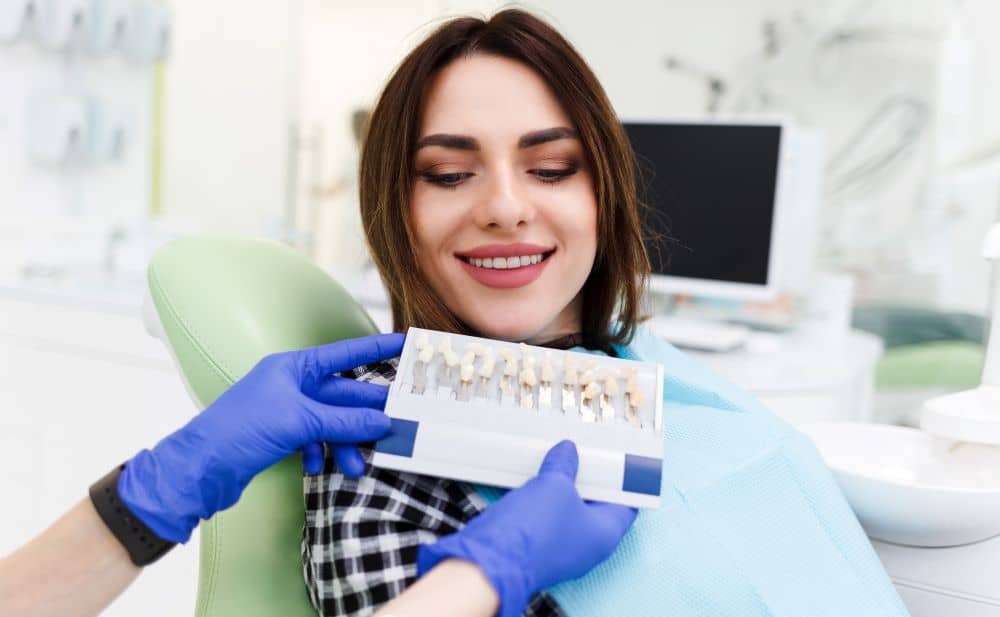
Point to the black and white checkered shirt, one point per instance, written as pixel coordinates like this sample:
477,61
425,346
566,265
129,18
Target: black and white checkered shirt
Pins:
359,544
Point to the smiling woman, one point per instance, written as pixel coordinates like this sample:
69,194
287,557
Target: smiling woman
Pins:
495,141
498,196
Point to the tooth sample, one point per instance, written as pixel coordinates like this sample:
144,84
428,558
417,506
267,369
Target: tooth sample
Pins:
528,381
469,357
422,341
465,381
633,396
569,384
509,376
443,376
545,384
446,374
608,397
589,393
486,374
420,368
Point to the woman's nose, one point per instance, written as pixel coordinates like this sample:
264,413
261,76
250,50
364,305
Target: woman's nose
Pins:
504,203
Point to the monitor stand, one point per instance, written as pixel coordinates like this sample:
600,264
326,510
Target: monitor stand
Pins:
699,334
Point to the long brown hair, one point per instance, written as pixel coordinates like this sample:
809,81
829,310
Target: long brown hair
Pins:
621,266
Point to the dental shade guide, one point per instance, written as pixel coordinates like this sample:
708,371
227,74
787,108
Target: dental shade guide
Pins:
456,414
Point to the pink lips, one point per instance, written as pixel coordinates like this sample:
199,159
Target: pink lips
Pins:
505,278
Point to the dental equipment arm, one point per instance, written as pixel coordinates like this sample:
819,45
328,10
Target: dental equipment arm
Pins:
78,566
974,415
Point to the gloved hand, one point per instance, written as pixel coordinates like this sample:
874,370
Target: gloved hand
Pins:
286,402
535,536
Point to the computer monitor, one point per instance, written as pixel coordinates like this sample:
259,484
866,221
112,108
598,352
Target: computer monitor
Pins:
715,192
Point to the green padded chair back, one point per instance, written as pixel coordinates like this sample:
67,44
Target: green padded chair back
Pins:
223,304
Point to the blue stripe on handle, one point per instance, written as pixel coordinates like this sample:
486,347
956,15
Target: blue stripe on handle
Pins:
400,439
642,474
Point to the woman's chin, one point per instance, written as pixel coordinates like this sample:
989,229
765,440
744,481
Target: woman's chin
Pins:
507,329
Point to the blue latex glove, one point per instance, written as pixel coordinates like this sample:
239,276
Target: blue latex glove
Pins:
537,535
286,402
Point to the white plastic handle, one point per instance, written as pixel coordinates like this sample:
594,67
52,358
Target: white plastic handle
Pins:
991,244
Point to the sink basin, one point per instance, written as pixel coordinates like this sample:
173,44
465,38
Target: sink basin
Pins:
908,487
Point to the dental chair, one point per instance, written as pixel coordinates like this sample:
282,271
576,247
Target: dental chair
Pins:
220,305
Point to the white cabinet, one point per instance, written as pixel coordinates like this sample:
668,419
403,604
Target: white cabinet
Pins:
82,388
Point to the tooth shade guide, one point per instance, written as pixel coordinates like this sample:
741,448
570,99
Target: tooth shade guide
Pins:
602,415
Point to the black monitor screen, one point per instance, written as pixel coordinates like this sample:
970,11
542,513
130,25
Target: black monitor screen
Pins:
710,192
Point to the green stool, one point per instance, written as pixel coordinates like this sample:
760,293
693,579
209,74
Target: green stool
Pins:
220,305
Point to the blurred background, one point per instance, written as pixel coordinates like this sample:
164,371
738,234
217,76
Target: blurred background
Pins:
127,123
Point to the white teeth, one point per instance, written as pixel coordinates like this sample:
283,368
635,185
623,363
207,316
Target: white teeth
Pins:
502,263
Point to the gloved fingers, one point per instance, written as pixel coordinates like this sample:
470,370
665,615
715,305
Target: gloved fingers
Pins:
561,458
312,458
344,392
342,424
613,518
350,353
349,460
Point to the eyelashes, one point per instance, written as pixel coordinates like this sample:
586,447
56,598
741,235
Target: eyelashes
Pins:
453,180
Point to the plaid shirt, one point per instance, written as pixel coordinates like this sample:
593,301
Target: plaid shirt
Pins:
360,540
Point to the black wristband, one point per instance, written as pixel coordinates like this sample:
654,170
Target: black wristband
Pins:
143,546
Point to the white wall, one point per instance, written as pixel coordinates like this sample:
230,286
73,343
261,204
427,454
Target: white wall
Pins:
47,211
228,105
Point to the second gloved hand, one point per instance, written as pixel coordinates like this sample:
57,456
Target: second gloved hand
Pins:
537,535
288,401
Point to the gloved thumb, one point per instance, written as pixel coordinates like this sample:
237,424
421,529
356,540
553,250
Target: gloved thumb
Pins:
562,458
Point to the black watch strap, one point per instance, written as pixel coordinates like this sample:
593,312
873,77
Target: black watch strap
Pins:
143,546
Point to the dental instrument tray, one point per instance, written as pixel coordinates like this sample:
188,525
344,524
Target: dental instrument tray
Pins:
486,411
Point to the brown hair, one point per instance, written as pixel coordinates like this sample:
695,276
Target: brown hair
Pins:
621,266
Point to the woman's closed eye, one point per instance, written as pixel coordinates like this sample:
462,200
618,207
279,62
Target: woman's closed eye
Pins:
447,180
553,175
453,179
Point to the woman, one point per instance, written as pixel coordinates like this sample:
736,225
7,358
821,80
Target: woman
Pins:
499,199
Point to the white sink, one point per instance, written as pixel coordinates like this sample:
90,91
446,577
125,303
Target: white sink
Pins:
911,488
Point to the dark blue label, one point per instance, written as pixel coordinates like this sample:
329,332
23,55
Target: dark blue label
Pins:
642,474
400,439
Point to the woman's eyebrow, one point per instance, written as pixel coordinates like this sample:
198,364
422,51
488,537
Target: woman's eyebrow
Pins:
536,138
528,140
458,142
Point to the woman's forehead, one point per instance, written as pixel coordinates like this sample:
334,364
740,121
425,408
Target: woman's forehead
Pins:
483,96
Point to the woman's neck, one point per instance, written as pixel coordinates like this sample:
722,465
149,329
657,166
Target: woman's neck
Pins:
568,321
